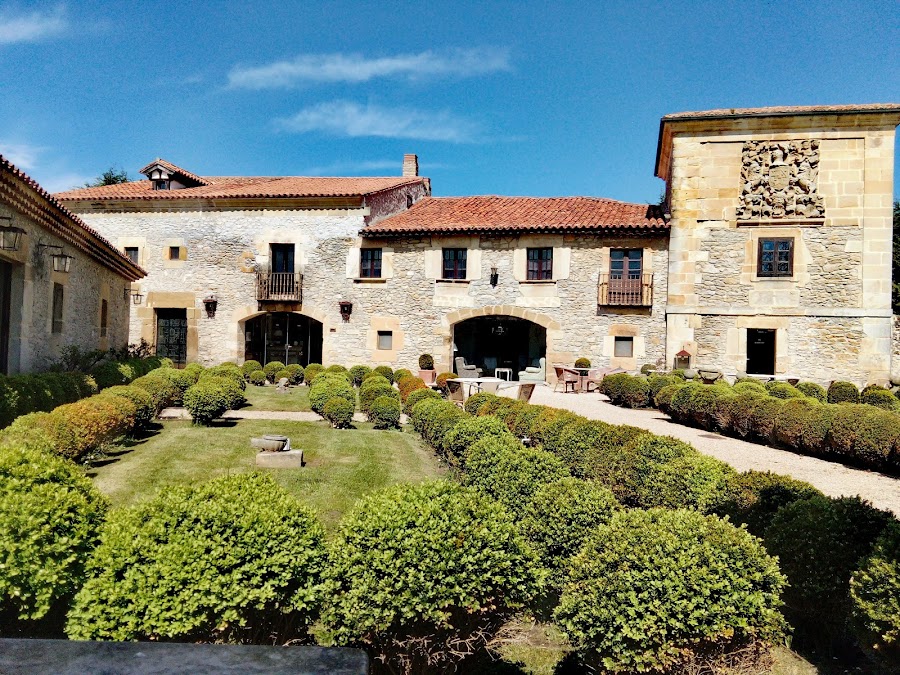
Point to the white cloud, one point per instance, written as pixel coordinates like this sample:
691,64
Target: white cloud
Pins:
18,27
345,118
22,155
357,68
60,182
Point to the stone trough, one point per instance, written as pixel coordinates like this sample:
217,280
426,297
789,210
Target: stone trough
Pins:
275,452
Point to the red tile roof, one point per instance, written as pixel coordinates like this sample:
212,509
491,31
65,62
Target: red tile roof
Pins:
244,187
462,215
775,111
24,194
173,168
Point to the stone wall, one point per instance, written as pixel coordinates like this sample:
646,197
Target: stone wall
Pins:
824,181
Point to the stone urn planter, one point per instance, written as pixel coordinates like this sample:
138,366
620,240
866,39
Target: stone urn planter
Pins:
426,368
270,443
275,452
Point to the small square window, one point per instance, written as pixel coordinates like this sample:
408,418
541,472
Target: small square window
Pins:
540,264
370,263
385,339
454,263
133,253
624,347
775,258
174,253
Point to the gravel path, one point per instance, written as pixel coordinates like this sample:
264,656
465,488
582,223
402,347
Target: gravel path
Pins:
831,478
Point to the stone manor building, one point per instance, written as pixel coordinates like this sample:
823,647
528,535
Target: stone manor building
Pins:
771,254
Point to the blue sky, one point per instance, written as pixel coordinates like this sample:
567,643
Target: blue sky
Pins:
519,98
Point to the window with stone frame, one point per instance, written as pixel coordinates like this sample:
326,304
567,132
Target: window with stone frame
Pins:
623,347
385,339
57,312
174,253
104,318
133,253
370,263
454,266
775,257
540,264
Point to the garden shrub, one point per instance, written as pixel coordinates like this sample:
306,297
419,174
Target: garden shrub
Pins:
863,434
108,374
50,514
611,385
384,412
373,389
475,401
663,398
782,390
51,426
312,371
510,474
577,440
386,372
469,430
271,368
740,410
754,497
751,386
426,362
372,377
843,392
653,590
195,368
93,422
329,386
163,392
283,374
422,576
723,409
206,401
696,404
337,370
680,407
182,379
441,380
582,363
357,373
250,367
692,481
438,421
763,414
819,542
295,374
803,423
524,421
875,593
550,428
507,409
401,373
234,395
338,411
633,393
629,470
423,413
658,382
880,398
417,396
258,378
559,518
408,385
228,373
235,560
143,401
813,390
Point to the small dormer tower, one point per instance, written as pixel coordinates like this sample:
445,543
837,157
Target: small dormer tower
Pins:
167,176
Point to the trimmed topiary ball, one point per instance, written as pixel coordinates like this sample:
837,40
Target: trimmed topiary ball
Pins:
50,516
475,401
469,430
338,370
783,390
441,380
250,367
205,401
880,398
283,374
234,560
258,378
582,363
658,590
813,390
875,592
384,412
142,400
426,362
401,374
328,386
561,516
754,497
373,389
422,576
417,396
296,374
357,373
338,411
312,371
227,373
271,368
843,392
386,372
234,393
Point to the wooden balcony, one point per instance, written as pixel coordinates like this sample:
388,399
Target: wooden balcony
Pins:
616,291
279,287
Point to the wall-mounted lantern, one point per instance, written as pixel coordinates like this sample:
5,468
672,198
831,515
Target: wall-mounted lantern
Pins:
136,296
10,236
61,261
211,303
495,276
346,308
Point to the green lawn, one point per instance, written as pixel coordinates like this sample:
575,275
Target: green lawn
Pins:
266,398
341,465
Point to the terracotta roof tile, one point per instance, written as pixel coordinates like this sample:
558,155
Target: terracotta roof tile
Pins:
515,214
43,208
245,187
786,110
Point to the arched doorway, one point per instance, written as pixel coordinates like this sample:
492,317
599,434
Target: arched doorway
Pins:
499,341
283,336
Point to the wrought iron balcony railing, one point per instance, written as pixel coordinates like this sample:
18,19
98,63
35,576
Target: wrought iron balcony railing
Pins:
625,291
279,287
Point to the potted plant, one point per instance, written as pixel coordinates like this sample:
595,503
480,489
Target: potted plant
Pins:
426,368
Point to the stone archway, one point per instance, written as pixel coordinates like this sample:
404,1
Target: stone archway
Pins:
249,327
554,332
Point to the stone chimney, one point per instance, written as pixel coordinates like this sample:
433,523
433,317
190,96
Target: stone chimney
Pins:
410,165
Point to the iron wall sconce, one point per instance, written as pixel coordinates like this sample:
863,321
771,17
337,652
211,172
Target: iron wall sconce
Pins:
211,303
495,276
10,236
61,261
136,296
346,310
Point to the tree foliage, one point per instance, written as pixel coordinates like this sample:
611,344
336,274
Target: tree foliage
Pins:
112,176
